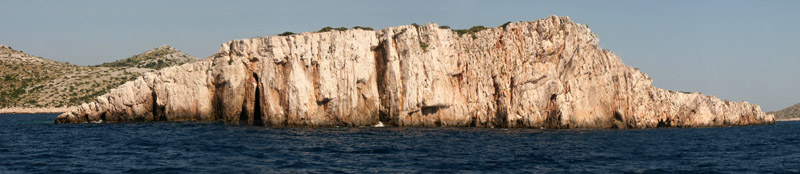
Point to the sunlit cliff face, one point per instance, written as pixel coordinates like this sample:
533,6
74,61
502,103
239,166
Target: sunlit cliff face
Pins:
548,73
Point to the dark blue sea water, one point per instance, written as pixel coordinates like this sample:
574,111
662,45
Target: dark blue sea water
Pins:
30,143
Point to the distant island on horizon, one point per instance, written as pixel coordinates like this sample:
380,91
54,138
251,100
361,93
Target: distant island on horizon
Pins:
791,113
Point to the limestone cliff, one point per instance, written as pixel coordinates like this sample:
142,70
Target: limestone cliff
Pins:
548,73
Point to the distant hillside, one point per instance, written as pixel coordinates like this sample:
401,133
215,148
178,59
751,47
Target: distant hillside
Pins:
35,82
157,58
788,113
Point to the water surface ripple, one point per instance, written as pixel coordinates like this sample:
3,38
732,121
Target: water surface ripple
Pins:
30,143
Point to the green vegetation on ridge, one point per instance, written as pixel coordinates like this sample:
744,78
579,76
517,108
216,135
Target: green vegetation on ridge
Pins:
158,58
787,113
30,81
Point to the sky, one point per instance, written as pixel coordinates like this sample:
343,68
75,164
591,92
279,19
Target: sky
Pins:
736,50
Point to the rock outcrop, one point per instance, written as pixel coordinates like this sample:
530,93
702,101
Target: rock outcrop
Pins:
548,73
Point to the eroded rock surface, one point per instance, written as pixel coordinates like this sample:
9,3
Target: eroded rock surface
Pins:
548,73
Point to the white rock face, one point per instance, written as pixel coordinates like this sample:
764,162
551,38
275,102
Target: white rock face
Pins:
548,73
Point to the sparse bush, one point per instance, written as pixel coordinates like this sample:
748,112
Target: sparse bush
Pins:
328,28
286,34
9,78
363,28
444,27
472,30
505,24
424,46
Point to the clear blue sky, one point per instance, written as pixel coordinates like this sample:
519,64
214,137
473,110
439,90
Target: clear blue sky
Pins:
737,50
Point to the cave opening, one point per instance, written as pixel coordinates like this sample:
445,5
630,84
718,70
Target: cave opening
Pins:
158,113
385,112
553,119
243,114
257,113
104,117
618,122
618,116
664,123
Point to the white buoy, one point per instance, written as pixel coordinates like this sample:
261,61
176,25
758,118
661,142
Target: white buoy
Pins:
380,124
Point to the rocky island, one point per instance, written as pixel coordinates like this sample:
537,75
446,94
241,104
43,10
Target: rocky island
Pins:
548,73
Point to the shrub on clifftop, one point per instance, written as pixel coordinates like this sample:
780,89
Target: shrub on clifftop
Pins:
286,34
328,28
363,28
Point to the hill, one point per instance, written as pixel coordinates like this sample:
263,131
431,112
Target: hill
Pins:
34,82
791,112
157,58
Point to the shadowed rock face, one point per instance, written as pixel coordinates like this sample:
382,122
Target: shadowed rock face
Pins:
547,73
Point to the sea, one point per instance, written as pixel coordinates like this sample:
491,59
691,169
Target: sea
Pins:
32,143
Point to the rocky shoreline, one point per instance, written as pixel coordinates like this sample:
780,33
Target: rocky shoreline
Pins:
788,119
35,110
548,73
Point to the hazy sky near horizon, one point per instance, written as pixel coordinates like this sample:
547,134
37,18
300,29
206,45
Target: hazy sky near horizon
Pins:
737,50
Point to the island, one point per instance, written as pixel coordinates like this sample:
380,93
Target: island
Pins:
547,73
